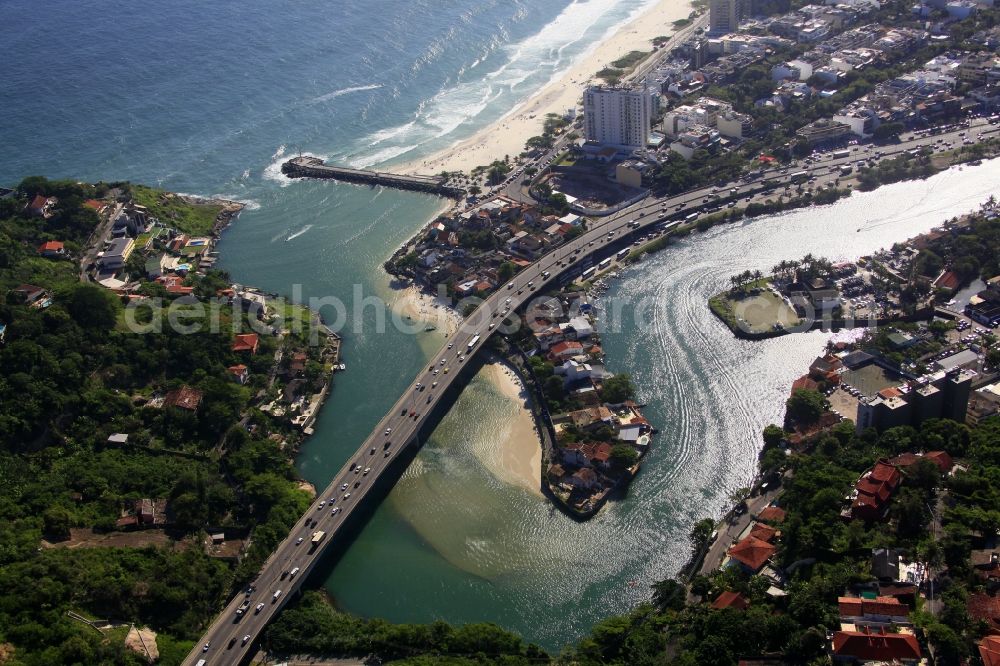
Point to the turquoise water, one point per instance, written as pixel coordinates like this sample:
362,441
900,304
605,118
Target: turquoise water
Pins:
209,98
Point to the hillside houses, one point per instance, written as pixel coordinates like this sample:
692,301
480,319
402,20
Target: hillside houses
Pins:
474,252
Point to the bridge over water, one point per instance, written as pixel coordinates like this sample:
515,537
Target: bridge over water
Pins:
362,482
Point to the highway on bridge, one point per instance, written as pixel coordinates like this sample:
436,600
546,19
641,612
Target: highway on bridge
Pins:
231,637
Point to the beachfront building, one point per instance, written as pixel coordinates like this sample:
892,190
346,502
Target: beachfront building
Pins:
724,16
617,117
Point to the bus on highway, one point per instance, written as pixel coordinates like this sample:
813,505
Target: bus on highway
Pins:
604,263
799,177
841,153
473,342
691,218
622,253
589,273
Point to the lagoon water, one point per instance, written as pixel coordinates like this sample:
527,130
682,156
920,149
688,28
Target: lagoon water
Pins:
208,98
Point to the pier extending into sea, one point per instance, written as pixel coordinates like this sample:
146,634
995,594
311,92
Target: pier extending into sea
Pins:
314,167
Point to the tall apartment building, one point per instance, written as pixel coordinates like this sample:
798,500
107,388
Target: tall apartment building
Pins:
945,396
724,16
618,117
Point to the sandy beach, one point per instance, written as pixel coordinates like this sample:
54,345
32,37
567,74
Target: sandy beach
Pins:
519,460
508,135
414,309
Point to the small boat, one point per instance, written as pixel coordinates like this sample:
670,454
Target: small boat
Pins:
430,328
342,367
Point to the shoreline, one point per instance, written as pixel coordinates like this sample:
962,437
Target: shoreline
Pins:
508,134
520,462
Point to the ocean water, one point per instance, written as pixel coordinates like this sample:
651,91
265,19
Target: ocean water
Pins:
209,98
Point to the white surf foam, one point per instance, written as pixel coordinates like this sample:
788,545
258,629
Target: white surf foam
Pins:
553,50
272,171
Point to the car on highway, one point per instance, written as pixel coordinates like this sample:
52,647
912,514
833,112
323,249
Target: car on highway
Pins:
206,646
246,639
343,486
367,469
298,541
387,431
347,496
275,596
335,511
258,608
321,505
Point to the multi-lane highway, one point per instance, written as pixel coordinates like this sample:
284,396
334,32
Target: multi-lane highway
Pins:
231,636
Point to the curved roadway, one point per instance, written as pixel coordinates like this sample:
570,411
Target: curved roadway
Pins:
399,428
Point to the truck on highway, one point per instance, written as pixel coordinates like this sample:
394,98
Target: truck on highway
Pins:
317,538
846,169
473,342
243,608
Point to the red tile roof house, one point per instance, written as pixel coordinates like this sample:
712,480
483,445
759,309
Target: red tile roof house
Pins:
876,646
51,249
905,461
730,600
874,490
764,532
584,478
185,397
40,205
564,350
989,650
29,293
245,342
985,607
239,373
751,553
772,514
880,610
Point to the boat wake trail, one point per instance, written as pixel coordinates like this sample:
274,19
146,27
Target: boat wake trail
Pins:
299,232
345,91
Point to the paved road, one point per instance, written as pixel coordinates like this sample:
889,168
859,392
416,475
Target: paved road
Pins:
97,242
399,428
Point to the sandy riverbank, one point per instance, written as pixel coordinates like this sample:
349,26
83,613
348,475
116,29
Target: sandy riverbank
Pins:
508,135
519,458
410,306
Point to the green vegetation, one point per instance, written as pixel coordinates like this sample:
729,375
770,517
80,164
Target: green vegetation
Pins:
71,375
313,626
972,253
893,171
752,308
621,68
185,216
630,59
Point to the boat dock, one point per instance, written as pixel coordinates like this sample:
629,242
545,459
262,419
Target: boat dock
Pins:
313,167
